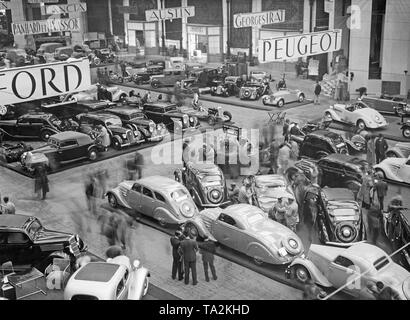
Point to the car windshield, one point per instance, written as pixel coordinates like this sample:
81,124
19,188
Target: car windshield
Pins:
179,195
33,228
381,263
211,180
171,108
344,213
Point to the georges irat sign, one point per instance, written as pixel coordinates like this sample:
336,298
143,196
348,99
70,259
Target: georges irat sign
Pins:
243,20
43,81
299,45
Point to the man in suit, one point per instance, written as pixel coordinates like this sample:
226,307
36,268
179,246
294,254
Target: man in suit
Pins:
207,252
189,248
176,257
380,148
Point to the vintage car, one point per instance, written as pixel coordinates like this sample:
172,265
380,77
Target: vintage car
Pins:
399,150
395,169
205,76
336,170
405,129
114,94
168,78
212,115
283,96
269,188
388,104
24,241
234,84
19,57
63,148
13,152
361,263
120,137
133,119
320,143
48,49
339,216
251,91
191,86
63,53
168,114
247,229
206,183
161,198
259,76
223,89
68,109
115,279
356,113
32,125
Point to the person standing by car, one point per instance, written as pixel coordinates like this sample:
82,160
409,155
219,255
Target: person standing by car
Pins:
41,181
380,188
207,251
374,219
317,91
189,248
273,156
277,212
233,193
103,138
123,67
370,149
291,214
8,206
283,157
380,148
176,257
245,192
286,130
139,163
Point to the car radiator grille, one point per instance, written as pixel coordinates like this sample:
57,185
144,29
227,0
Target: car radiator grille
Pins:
74,246
130,136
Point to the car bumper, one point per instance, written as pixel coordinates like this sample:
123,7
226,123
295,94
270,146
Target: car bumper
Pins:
375,125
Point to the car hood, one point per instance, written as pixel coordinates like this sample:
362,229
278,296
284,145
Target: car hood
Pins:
394,161
144,122
369,112
249,88
48,236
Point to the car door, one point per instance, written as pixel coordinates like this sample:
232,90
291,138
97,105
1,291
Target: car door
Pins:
341,271
225,231
34,128
147,202
134,196
24,128
4,249
19,247
404,171
69,150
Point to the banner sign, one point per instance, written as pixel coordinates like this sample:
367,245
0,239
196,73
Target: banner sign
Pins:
3,5
169,13
42,1
43,81
45,26
64,8
243,20
300,45
313,68
329,6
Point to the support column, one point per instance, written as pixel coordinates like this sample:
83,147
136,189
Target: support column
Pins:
256,7
224,27
184,3
77,36
18,15
110,17
331,27
126,3
306,16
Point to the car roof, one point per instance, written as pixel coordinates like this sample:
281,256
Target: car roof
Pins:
49,44
14,220
101,116
239,211
97,271
365,251
270,179
159,183
338,194
160,104
67,135
173,69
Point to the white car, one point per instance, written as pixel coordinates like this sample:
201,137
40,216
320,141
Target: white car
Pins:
115,279
359,264
356,113
283,96
91,94
396,169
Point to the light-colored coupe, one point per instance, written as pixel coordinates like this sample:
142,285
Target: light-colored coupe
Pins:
247,229
336,267
164,199
283,96
399,150
92,94
115,279
357,113
396,169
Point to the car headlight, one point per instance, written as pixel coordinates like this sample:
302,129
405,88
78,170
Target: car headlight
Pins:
345,233
159,126
187,209
191,119
293,243
214,196
124,136
377,118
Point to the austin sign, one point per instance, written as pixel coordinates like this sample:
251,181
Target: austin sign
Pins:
43,81
64,8
169,13
243,20
299,45
45,26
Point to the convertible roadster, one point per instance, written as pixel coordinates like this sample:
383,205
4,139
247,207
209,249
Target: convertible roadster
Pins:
356,113
95,92
396,169
361,263
283,96
247,229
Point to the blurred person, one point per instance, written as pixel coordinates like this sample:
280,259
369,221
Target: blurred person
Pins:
207,251
189,248
273,155
375,218
312,291
381,147
90,190
195,101
292,214
277,212
294,150
245,194
8,206
122,227
317,91
233,193
177,267
103,137
41,181
370,151
286,130
283,157
365,197
139,163
380,188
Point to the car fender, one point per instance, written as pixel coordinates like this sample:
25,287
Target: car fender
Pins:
116,136
137,281
197,196
93,146
202,229
387,171
396,151
333,114
161,213
256,249
120,199
314,272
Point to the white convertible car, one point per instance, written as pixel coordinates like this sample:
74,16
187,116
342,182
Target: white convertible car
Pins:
356,113
396,169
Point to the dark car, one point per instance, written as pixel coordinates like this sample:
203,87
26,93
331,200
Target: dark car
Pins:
405,129
251,91
135,119
63,148
13,152
206,183
168,114
25,242
32,125
388,104
336,170
205,76
168,78
19,57
339,216
63,53
120,137
320,143
70,109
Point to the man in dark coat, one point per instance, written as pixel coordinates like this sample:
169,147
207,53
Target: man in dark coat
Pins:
189,248
41,181
380,188
207,252
380,148
374,217
176,257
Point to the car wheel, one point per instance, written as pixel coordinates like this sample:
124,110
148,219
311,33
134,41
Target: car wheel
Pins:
116,144
228,115
192,230
328,116
381,172
391,154
361,125
212,93
281,103
406,132
112,200
258,261
265,101
155,85
301,273
92,155
45,135
162,223
301,97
